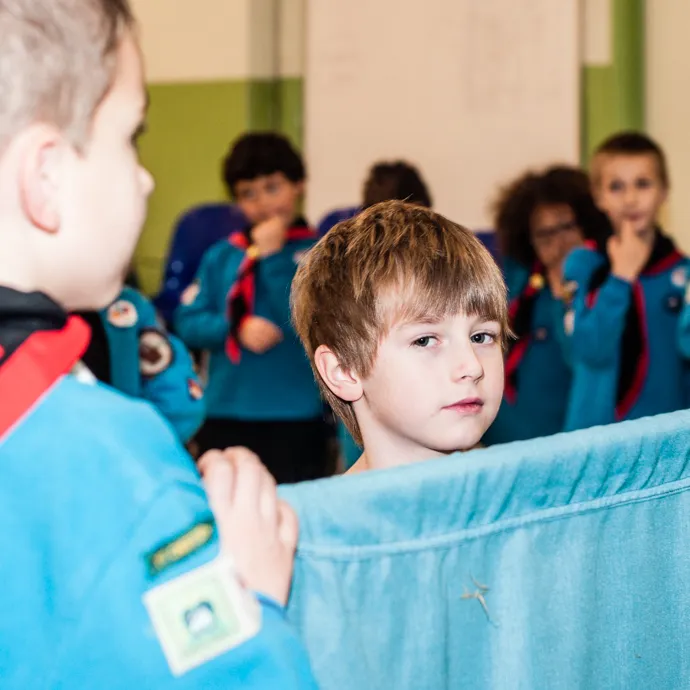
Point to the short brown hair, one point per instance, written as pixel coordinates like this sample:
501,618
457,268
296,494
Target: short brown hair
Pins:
429,265
630,144
57,62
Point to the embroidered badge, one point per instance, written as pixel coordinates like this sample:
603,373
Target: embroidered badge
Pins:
674,302
536,281
180,547
679,277
155,352
201,615
122,314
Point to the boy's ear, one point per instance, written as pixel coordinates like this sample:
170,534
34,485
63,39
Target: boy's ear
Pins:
39,177
345,384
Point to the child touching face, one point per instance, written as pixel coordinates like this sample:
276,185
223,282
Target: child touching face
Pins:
623,323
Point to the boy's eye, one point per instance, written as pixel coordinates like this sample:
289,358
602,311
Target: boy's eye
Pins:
644,183
272,187
424,341
483,338
616,186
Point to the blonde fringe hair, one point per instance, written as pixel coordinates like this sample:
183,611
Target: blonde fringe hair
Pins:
57,62
392,262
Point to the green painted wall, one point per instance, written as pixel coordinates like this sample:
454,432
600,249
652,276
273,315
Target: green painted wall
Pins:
613,95
190,128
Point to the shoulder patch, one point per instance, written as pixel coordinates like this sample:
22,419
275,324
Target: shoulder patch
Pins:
122,314
201,615
155,352
180,547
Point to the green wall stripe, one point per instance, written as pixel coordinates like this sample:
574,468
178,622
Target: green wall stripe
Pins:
613,96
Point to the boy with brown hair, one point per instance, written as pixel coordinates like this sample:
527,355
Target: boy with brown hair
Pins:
622,325
110,571
403,315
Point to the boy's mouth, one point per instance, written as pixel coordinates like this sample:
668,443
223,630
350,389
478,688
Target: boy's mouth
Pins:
467,406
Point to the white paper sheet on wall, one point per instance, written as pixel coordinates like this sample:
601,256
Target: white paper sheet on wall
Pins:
472,92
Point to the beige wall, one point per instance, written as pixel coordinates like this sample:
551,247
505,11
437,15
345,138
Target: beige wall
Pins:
472,92
668,102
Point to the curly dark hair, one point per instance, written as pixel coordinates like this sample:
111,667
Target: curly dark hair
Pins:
261,153
396,180
557,185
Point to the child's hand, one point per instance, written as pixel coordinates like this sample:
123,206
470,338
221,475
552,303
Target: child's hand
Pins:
259,335
269,237
628,253
256,529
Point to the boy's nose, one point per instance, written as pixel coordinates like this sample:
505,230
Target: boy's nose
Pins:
466,364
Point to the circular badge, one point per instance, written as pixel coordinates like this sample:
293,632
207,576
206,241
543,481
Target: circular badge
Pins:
536,281
679,277
541,334
674,302
155,352
122,314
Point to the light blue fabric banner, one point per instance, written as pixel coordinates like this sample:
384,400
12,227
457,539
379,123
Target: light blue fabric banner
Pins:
558,563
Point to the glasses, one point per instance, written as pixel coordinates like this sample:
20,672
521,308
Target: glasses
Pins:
547,235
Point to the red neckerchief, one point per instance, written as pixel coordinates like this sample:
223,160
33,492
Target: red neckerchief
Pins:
520,312
242,293
36,365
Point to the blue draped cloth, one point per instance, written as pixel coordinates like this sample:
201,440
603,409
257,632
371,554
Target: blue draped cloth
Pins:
557,563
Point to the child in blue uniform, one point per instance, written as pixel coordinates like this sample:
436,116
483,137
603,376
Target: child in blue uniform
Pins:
622,326
261,393
115,573
540,218
131,351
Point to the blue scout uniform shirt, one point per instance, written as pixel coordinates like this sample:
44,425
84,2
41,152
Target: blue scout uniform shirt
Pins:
197,231
99,506
275,386
622,338
537,376
147,362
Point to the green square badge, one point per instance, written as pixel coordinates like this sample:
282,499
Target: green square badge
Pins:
202,614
